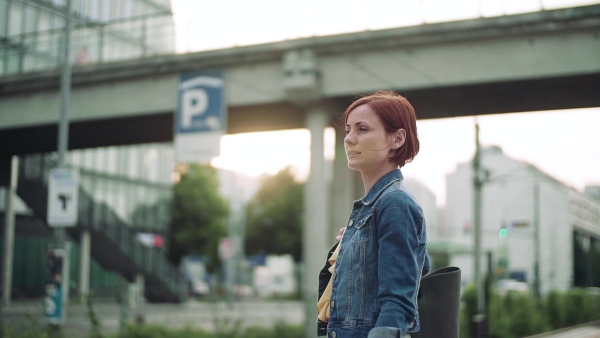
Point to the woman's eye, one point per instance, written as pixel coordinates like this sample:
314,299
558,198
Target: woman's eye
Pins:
347,131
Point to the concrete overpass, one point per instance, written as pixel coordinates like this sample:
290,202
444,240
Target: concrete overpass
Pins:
536,61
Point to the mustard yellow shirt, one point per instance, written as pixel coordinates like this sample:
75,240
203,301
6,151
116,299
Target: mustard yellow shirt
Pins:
323,303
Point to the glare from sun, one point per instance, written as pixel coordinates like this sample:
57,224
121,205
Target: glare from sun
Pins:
260,153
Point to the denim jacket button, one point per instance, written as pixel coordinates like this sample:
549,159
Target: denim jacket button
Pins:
350,222
333,334
332,303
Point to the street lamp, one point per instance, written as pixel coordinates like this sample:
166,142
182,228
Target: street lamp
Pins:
479,320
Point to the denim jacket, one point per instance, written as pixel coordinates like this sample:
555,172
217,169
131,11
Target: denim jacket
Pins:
379,267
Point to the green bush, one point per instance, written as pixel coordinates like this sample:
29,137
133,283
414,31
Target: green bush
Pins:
500,325
580,306
229,331
151,331
13,333
280,330
525,315
28,327
468,308
519,315
554,310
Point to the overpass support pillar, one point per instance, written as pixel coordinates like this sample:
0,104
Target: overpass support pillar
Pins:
346,186
302,84
316,235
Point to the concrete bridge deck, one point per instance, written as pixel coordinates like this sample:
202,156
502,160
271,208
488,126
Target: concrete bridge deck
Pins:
535,61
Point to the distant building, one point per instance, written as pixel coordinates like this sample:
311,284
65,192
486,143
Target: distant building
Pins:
125,191
428,203
521,205
593,190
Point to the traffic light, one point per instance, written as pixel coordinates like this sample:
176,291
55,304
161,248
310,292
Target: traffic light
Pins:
503,232
55,263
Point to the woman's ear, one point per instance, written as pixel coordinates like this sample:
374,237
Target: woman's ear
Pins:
399,139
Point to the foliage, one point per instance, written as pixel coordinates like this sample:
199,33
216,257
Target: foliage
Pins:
29,326
199,216
520,315
517,315
280,330
156,331
468,309
94,322
274,217
580,306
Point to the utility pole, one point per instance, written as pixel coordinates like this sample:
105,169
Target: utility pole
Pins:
536,240
63,138
57,290
65,91
479,320
9,232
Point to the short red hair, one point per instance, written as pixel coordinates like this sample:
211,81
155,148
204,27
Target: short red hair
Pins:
395,112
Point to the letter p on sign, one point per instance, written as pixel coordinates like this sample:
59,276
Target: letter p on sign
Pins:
194,102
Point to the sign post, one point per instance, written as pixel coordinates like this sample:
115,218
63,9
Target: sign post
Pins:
62,202
63,196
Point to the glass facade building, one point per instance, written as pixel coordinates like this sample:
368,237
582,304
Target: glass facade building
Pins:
32,32
134,181
124,191
125,194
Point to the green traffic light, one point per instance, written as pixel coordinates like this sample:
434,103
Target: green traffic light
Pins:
503,232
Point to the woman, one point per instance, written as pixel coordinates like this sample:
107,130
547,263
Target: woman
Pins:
378,264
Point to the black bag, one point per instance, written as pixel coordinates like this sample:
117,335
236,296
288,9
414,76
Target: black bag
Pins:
439,304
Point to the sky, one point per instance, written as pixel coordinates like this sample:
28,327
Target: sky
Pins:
565,144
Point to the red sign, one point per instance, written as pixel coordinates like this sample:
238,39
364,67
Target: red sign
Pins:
225,248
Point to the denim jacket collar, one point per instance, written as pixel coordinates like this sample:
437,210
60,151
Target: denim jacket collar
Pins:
382,183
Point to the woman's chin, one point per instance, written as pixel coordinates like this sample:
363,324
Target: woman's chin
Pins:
353,166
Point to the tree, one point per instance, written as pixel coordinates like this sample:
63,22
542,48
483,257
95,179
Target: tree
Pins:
200,216
274,217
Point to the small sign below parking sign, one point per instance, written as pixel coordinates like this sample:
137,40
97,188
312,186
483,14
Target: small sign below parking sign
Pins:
63,196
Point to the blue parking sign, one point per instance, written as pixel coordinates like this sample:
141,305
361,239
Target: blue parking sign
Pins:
200,116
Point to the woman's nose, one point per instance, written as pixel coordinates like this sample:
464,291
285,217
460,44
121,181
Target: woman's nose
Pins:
349,138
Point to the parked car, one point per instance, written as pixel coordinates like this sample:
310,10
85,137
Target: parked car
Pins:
505,286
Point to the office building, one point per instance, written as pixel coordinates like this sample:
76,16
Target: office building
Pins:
532,224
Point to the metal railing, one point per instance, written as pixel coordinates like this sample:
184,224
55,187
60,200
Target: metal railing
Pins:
102,220
92,42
